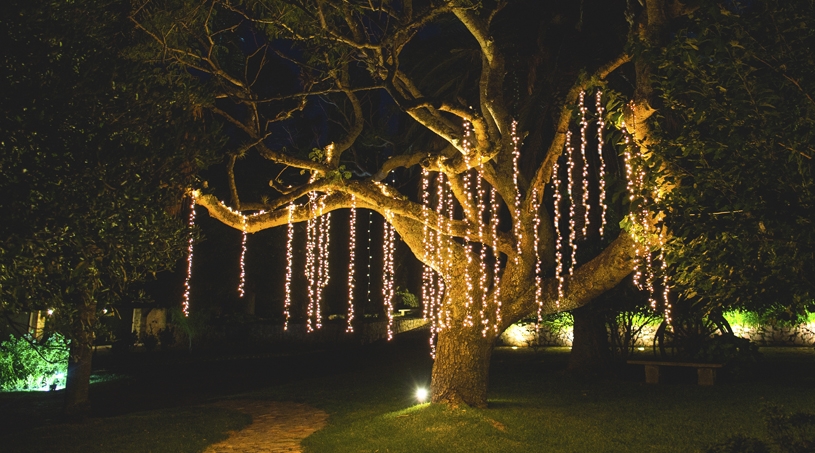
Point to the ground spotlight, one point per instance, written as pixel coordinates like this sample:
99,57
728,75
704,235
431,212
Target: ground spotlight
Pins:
421,394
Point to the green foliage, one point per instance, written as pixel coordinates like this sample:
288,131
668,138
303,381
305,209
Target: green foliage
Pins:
30,364
97,153
729,349
733,146
407,298
779,318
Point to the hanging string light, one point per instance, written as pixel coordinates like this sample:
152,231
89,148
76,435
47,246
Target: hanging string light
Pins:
468,246
441,201
584,126
289,266
536,222
242,280
185,306
482,252
370,254
450,206
310,269
352,246
570,181
516,155
323,276
388,246
558,238
666,288
496,276
428,243
601,124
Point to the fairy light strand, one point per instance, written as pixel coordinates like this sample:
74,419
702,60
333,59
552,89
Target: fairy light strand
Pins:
310,270
584,126
185,306
516,155
536,221
289,266
570,180
468,246
242,280
450,206
496,276
352,246
387,274
428,288
601,124
441,200
482,252
558,238
323,276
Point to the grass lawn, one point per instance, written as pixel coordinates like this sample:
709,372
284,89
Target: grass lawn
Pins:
534,408
369,396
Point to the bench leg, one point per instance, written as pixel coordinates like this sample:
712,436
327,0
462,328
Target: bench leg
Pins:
651,374
707,376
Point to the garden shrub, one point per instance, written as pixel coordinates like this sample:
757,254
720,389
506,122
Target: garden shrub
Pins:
30,364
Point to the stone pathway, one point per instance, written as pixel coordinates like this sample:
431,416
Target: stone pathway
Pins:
276,427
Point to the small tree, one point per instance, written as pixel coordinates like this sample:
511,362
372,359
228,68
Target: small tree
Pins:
95,157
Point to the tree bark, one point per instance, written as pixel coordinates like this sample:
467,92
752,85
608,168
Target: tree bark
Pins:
591,351
461,370
77,385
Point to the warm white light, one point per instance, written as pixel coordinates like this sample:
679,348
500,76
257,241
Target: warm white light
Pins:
421,394
570,181
601,123
536,222
352,245
516,155
185,306
482,251
468,247
584,126
388,246
558,238
289,266
242,279
496,276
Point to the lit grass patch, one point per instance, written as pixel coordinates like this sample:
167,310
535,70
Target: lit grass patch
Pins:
535,408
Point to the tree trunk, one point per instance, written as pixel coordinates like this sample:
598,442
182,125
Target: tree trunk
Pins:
77,403
461,369
591,351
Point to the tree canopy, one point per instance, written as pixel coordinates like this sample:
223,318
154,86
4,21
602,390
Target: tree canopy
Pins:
96,155
733,155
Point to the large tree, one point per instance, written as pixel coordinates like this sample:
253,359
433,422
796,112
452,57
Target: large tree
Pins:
95,156
438,65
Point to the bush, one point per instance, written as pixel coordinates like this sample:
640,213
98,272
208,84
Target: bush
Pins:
166,337
408,299
149,341
30,364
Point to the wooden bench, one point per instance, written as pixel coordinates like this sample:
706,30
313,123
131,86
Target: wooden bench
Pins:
705,371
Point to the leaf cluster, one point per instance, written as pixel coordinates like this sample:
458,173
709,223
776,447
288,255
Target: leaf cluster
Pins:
733,154
97,154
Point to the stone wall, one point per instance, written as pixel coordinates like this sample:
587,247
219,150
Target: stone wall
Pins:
523,335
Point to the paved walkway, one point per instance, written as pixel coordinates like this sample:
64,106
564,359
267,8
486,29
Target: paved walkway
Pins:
276,427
